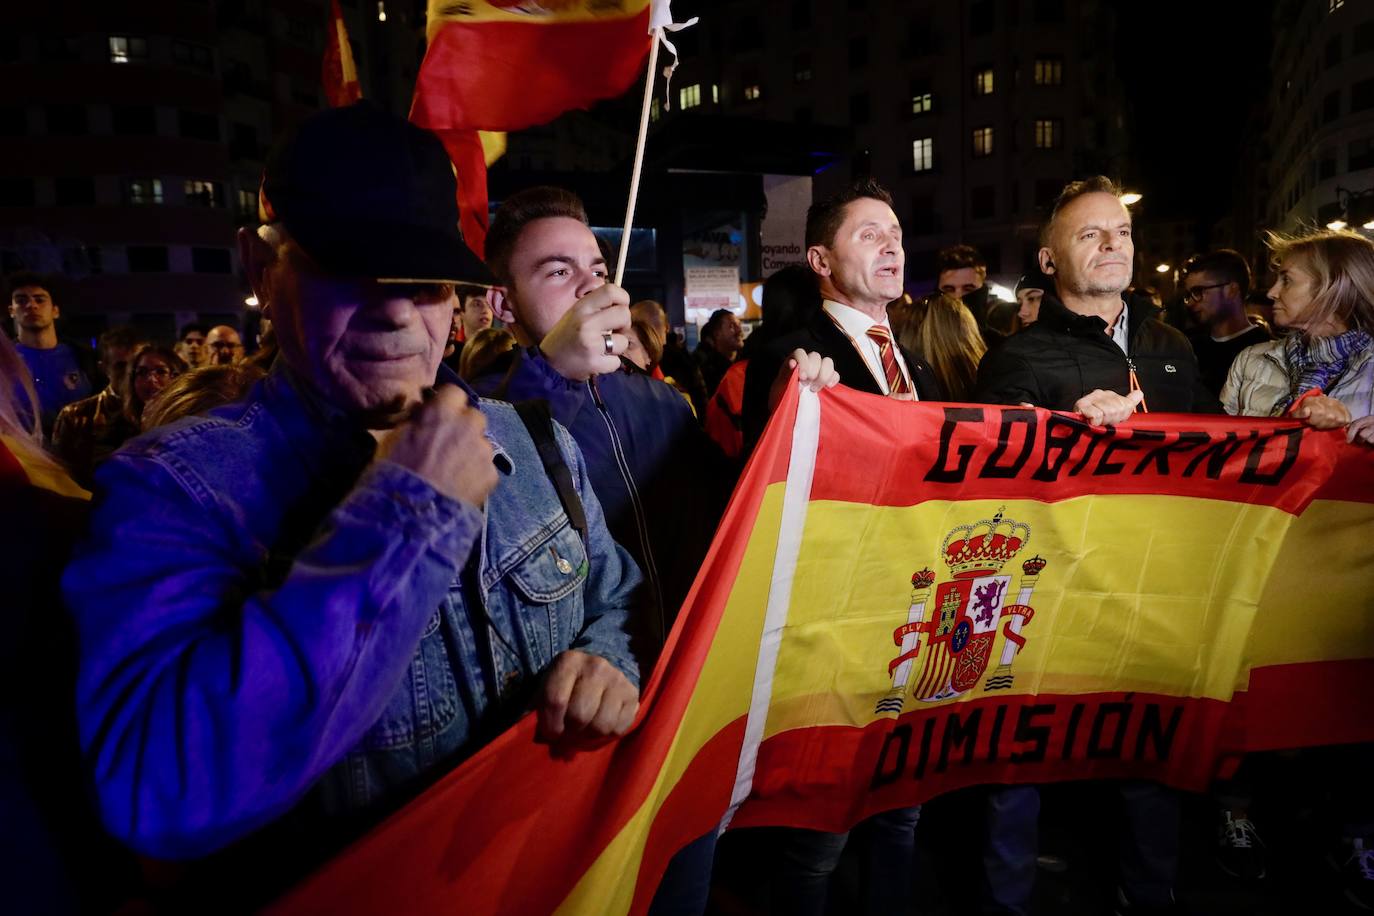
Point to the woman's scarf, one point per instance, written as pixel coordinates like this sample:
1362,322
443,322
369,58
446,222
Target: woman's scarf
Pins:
1319,362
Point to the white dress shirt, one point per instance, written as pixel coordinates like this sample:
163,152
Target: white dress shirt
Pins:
1121,335
855,325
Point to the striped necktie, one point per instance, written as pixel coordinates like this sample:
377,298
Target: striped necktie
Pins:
896,382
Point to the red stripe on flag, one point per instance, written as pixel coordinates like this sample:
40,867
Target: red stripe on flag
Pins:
1304,704
514,75
464,148
912,453
831,777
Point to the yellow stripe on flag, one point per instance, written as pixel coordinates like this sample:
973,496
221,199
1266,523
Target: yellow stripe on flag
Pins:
1154,594
531,12
1318,603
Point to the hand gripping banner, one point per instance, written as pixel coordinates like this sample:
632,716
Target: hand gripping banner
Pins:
905,599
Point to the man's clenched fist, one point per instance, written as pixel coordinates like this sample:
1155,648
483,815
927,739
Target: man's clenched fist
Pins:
444,441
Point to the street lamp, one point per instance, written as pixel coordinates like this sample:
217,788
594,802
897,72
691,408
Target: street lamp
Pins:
1162,268
1352,208
1130,197
251,302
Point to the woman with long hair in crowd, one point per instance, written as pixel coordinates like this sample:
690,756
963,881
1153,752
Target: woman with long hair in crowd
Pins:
153,368
1322,370
946,336
482,350
194,393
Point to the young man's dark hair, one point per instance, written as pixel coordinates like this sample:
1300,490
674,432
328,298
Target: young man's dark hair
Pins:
823,218
958,257
517,212
22,278
193,327
1098,184
1226,264
465,291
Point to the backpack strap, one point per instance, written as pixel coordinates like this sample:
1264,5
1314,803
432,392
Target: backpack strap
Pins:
538,422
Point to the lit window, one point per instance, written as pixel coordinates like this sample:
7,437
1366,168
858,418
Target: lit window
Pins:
248,204
921,103
1048,133
204,193
689,96
752,93
923,154
126,48
143,191
656,110
982,141
715,94
801,68
982,82
1049,71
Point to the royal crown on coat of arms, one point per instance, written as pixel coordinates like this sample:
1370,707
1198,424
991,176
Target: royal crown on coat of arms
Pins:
983,548
962,627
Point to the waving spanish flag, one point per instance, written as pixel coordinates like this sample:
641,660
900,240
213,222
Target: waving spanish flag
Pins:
503,65
903,600
512,64
340,76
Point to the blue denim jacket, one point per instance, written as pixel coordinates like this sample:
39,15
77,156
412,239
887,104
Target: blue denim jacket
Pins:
262,608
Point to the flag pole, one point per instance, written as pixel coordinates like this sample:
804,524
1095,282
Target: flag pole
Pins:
656,35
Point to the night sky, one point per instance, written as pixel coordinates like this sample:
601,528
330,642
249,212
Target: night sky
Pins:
1193,72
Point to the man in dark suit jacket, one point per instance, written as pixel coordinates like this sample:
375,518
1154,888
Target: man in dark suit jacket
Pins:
854,247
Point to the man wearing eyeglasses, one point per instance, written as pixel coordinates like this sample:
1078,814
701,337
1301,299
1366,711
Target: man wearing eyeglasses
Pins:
1215,285
225,345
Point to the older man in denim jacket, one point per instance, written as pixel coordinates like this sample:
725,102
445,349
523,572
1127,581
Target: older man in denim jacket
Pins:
337,587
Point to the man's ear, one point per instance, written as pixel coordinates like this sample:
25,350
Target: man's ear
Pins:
257,256
818,257
56,312
1046,258
500,304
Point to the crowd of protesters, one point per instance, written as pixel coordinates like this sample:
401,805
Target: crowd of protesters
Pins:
259,599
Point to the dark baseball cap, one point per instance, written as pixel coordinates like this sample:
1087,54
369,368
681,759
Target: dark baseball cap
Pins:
368,194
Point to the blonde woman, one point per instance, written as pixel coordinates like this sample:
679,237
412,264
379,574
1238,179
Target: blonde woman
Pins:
949,340
1322,369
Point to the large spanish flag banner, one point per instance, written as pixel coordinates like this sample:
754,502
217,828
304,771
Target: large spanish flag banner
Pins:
904,599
